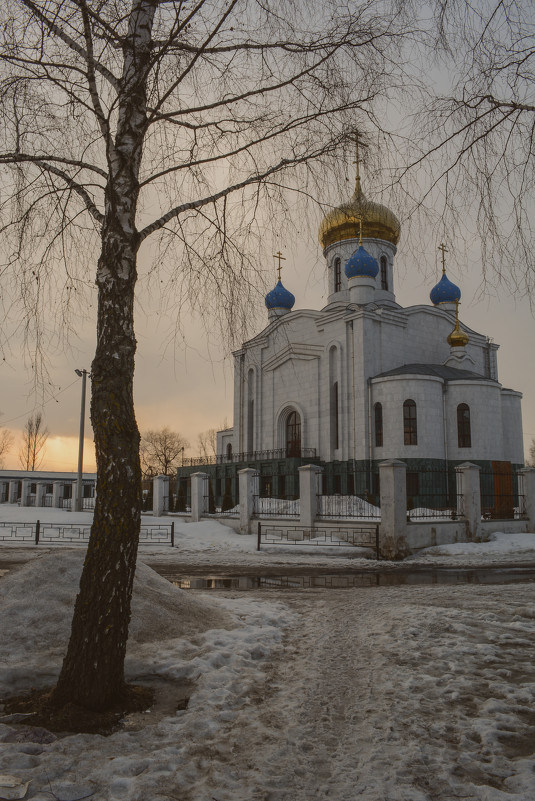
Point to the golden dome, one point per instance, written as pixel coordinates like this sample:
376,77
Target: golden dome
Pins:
343,222
458,338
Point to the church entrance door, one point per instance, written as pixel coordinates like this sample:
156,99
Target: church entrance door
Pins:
293,435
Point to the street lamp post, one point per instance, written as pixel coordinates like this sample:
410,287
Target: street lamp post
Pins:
79,503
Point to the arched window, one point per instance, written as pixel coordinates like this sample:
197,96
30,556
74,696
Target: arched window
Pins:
337,275
410,430
335,437
293,435
229,452
463,426
378,425
384,273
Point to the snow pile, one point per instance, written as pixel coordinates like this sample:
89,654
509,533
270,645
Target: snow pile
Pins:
497,545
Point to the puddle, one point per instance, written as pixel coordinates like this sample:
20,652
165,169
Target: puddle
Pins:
344,581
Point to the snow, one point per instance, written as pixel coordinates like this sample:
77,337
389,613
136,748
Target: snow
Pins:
405,693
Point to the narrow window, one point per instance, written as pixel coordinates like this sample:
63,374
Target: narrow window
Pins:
463,426
337,275
335,427
229,452
410,430
384,274
293,435
378,425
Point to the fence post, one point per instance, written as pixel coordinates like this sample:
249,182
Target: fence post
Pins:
173,534
37,532
259,536
393,526
468,486
197,496
247,481
57,494
160,491
309,477
13,491
527,477
25,494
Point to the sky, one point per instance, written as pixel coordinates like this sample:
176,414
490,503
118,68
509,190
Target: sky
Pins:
188,384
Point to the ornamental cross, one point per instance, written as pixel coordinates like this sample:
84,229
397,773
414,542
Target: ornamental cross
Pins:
444,250
280,257
358,160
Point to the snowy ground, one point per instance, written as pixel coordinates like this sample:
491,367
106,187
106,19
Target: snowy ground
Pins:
381,694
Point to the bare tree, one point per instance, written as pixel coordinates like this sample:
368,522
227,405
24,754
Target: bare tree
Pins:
34,437
475,139
185,121
162,451
6,441
208,444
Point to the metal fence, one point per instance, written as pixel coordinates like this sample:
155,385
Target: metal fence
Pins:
267,505
502,496
431,494
58,534
319,536
346,506
250,456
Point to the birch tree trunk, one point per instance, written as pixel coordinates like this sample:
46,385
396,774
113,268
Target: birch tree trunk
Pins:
93,670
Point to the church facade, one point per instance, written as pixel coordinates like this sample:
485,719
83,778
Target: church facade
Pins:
364,380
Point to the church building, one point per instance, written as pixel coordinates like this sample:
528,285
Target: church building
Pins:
363,379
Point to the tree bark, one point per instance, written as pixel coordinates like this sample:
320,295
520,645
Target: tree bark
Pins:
92,674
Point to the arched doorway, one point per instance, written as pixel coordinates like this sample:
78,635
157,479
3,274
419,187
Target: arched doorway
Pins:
293,434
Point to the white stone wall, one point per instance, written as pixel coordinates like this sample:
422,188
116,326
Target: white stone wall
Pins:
484,401
513,441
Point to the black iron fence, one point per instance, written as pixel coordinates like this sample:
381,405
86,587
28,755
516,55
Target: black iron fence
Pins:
347,506
58,534
266,504
219,505
502,496
431,494
250,456
319,536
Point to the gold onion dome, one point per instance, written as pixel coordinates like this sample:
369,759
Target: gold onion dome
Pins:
343,222
458,338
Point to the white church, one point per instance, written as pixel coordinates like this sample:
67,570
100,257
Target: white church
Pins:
363,379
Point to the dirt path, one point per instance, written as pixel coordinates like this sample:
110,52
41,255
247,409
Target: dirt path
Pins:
379,697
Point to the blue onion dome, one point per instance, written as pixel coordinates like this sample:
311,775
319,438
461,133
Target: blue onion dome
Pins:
361,263
445,292
279,298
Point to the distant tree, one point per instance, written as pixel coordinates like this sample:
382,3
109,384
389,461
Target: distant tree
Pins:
161,451
34,437
208,444
6,441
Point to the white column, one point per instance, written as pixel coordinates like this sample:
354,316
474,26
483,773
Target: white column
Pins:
160,488
40,495
527,489
361,289
248,485
469,505
57,494
393,526
24,498
197,496
13,491
309,477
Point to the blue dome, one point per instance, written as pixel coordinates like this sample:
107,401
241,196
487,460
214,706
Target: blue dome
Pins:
445,292
279,298
361,263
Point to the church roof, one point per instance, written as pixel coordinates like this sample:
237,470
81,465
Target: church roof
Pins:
437,370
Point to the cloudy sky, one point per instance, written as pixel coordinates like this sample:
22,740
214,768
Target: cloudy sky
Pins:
187,384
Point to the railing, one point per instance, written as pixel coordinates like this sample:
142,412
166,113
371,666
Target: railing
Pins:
346,506
250,456
276,507
431,495
57,534
319,536
502,496
211,508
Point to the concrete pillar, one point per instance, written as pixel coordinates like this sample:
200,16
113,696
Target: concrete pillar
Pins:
393,526
40,494
527,489
309,477
469,497
25,496
160,496
13,491
57,494
248,483
197,496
